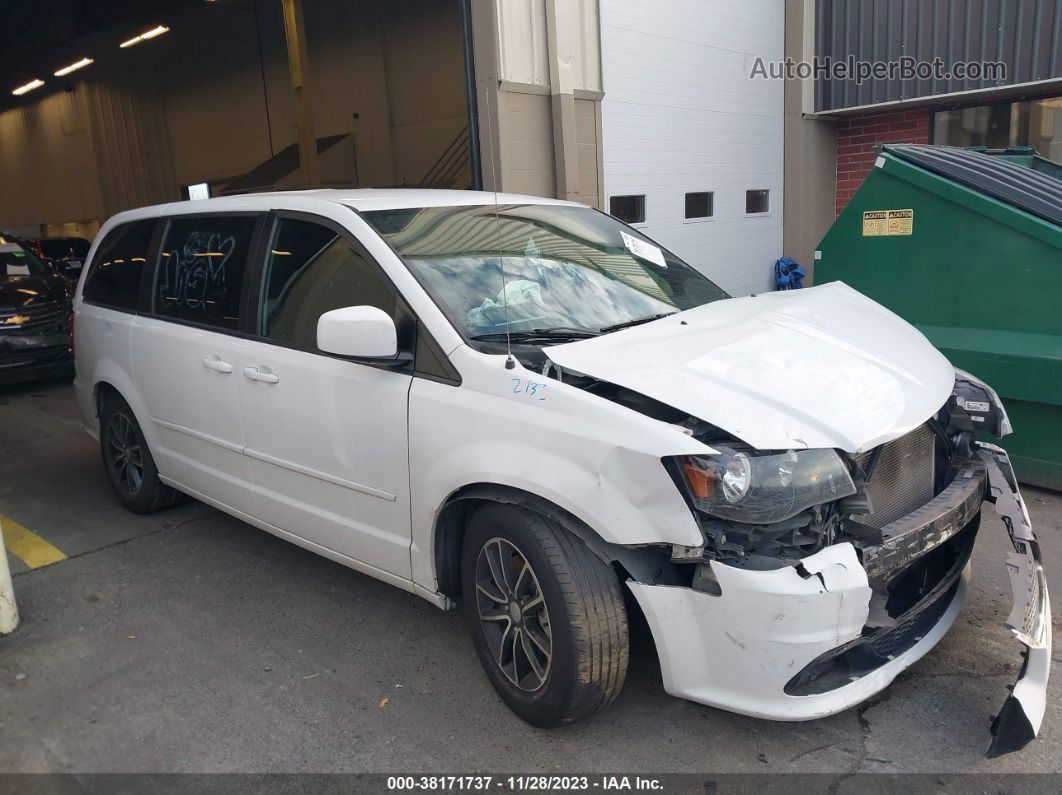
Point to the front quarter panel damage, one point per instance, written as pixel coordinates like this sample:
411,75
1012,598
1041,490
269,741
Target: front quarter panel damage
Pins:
599,461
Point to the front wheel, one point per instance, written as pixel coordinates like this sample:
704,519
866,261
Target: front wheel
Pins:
546,615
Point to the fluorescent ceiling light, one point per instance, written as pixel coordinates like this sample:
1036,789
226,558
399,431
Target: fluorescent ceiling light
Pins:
158,30
32,84
73,67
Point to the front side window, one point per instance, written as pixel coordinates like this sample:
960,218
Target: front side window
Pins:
311,269
201,269
114,279
540,267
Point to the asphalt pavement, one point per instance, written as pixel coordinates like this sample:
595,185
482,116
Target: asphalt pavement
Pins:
188,641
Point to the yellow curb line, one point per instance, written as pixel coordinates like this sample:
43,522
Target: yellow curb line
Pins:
27,546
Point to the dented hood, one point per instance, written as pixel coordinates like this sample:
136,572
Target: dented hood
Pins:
819,367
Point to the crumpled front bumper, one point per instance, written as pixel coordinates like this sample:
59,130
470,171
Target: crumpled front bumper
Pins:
1030,617
738,650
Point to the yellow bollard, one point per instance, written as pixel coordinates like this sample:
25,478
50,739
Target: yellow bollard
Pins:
8,608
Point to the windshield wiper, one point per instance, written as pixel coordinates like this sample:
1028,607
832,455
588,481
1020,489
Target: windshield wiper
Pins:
555,333
636,322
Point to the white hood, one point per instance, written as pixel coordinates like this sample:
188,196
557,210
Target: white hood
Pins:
819,367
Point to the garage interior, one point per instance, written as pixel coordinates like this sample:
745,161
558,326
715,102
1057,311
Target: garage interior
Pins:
226,96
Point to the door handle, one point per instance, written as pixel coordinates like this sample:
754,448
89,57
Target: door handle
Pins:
214,363
257,375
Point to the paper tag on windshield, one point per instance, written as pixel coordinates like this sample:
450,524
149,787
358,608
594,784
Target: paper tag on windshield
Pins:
10,248
640,248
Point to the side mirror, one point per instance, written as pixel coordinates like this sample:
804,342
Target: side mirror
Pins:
364,332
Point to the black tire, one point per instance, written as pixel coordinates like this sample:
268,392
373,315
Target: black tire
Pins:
585,622
127,460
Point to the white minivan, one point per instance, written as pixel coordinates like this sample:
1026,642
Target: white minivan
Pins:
526,408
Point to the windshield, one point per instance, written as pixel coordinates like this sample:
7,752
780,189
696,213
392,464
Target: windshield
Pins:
15,261
565,268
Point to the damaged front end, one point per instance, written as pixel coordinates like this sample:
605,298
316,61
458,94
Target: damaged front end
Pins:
909,510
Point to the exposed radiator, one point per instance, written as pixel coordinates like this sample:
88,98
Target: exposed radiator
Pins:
903,477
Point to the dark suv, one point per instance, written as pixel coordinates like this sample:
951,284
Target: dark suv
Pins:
67,253
34,317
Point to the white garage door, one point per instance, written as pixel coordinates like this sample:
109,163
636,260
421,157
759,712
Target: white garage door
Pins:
682,116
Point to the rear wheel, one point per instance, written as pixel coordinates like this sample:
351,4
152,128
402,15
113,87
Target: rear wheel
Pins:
546,615
128,462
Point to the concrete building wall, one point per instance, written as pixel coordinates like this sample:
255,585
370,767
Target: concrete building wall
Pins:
810,151
48,169
130,143
212,99
588,149
424,67
538,79
681,114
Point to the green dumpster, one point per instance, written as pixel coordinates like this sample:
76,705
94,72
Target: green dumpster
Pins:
967,246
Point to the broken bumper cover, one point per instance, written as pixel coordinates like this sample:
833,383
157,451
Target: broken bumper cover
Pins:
1030,618
740,649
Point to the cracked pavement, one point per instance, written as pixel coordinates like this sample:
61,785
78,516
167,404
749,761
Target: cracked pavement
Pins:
189,641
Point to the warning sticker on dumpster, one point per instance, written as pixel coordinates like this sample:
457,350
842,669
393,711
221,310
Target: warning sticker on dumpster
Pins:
886,223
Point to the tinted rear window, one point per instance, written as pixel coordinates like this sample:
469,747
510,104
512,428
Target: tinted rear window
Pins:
119,265
201,269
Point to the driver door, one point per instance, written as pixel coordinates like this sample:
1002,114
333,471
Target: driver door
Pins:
326,437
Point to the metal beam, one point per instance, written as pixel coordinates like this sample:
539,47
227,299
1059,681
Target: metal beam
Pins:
298,65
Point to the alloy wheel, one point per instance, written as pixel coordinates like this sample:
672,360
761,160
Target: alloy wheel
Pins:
513,614
126,456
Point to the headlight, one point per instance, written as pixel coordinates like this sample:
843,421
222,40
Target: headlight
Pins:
761,489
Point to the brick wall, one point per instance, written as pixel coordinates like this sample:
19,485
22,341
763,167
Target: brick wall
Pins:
859,137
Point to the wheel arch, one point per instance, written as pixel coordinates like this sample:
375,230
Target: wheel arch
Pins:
111,381
649,563
101,390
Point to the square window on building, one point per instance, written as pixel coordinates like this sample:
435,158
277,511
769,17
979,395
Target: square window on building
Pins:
700,205
757,201
629,209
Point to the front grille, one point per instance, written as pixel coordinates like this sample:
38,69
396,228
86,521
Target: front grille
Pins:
35,318
903,477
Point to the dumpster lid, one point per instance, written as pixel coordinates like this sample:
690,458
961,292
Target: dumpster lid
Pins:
1031,190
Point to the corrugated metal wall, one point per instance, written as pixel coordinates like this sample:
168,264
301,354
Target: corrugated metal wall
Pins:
1026,35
